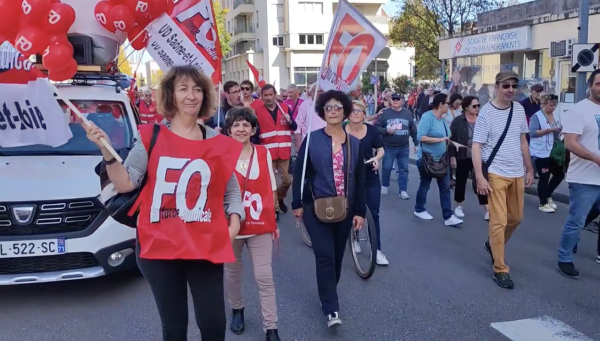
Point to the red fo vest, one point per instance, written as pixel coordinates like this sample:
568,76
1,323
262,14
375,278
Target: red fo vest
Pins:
181,207
276,136
258,198
148,113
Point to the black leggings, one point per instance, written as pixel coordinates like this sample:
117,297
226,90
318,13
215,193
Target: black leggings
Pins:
464,167
169,281
546,185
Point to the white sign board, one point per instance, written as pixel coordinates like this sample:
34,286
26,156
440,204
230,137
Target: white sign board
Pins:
513,39
584,57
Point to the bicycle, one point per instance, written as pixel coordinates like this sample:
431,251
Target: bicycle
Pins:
364,251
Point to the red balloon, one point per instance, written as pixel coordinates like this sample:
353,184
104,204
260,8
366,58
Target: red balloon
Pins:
55,2
102,13
60,19
35,12
117,2
62,40
157,7
139,8
142,40
170,7
31,40
65,74
143,21
120,18
54,57
10,16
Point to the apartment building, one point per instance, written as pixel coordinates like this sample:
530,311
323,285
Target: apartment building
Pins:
285,39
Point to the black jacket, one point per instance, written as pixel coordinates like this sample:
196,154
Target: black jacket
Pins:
459,130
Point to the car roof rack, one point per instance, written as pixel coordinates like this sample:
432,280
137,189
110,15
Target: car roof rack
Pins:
90,75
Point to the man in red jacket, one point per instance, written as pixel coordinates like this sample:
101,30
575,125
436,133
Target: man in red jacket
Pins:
276,129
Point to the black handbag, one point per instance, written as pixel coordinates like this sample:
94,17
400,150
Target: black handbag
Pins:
486,165
121,204
435,169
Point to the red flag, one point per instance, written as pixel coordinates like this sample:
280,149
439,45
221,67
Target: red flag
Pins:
14,67
133,88
257,76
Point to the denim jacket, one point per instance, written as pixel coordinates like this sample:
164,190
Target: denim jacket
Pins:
319,173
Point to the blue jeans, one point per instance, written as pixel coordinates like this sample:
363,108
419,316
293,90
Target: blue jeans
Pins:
582,198
400,155
373,199
371,109
444,187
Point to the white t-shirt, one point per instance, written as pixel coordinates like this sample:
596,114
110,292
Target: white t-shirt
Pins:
584,120
254,174
489,126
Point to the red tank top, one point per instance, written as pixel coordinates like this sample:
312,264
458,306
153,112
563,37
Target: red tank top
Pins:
181,207
257,197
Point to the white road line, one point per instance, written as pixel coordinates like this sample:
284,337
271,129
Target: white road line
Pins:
539,329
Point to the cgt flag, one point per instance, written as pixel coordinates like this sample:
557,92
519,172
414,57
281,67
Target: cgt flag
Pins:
188,37
29,113
353,43
257,76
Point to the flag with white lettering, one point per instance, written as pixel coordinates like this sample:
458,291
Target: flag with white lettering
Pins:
353,44
29,113
188,37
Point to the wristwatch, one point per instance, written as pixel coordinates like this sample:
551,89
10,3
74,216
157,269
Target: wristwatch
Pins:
109,162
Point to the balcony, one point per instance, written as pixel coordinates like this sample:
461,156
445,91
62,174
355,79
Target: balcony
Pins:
243,7
364,2
243,33
381,22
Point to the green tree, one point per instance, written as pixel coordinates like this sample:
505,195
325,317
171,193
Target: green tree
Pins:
365,82
155,77
401,84
141,81
224,36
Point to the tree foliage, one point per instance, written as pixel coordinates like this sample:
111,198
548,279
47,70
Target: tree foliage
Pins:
224,36
421,22
365,83
155,77
401,84
123,63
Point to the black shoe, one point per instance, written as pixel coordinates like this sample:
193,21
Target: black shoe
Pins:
237,321
568,270
503,280
282,206
272,335
488,249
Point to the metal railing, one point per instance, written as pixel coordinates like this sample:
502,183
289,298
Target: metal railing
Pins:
377,19
244,29
237,3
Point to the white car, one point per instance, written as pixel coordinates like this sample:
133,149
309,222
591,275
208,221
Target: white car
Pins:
53,226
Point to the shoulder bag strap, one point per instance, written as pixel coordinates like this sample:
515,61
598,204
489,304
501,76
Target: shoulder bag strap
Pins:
247,175
501,139
155,131
295,105
348,163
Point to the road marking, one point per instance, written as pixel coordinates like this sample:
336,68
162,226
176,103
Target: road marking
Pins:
539,329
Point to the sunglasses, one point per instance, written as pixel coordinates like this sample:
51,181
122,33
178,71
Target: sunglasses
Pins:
476,106
336,107
245,88
396,98
507,86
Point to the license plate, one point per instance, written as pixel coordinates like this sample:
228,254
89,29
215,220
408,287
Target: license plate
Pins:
32,248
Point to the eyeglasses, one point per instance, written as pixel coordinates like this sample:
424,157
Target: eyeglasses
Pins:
336,107
357,111
396,98
507,86
475,106
245,88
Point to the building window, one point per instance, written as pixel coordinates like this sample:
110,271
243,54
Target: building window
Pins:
311,7
304,76
278,41
257,19
311,39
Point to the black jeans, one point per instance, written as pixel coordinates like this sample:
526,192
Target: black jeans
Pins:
329,244
169,281
464,168
373,199
594,213
546,185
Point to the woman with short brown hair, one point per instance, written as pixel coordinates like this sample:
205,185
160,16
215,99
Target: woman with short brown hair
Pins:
184,234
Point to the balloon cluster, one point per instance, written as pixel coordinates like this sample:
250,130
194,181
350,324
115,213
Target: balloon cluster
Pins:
131,17
40,27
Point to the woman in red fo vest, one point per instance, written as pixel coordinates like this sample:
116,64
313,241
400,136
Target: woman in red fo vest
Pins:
184,234
257,179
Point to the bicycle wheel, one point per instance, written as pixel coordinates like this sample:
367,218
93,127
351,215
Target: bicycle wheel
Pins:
305,235
363,246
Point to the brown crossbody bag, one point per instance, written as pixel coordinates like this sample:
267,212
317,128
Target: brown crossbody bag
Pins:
335,209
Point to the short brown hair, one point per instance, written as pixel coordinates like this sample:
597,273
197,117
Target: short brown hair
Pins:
165,97
360,105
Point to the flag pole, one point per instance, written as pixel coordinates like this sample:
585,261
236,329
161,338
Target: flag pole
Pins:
310,119
219,106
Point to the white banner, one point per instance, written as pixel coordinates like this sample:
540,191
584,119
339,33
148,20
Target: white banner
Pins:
30,114
353,44
169,46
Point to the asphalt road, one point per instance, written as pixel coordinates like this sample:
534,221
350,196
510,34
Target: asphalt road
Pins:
438,287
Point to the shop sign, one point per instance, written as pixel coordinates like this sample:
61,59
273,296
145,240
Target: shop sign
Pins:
492,42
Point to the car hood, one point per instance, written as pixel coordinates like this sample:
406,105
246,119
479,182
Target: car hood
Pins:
33,178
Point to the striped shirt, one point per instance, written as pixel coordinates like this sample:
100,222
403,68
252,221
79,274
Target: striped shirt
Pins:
489,126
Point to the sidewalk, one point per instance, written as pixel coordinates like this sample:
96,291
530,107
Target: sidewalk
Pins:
561,194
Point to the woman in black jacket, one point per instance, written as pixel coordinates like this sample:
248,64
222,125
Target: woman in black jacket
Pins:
328,175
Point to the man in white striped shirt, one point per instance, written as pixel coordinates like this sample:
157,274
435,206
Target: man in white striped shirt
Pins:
504,182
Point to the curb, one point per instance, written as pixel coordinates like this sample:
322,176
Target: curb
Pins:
558,197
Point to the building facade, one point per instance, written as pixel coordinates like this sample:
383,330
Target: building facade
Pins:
520,38
285,39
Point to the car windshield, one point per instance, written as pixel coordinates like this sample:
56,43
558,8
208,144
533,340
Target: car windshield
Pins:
109,116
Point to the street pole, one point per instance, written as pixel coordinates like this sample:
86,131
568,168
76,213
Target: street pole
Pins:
443,74
584,13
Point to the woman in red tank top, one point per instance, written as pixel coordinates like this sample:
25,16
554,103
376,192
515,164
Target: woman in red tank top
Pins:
186,175
255,174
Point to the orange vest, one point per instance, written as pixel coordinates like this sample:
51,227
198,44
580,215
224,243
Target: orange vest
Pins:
275,135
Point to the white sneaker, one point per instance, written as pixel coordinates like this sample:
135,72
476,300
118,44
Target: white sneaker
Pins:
424,215
486,216
356,247
381,259
333,319
552,204
547,209
453,221
404,195
458,211
384,190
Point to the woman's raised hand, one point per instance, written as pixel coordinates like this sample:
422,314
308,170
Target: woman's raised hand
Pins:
94,134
